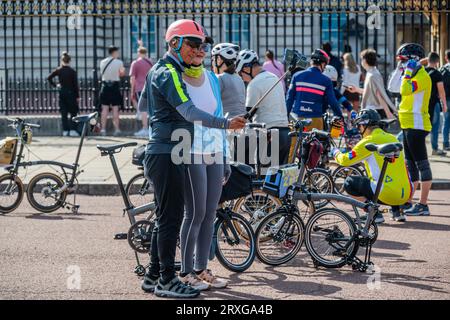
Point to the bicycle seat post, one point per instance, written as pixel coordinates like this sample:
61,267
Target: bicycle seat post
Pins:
386,161
123,193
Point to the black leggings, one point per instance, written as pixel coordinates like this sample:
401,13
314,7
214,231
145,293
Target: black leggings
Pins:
416,154
169,184
358,186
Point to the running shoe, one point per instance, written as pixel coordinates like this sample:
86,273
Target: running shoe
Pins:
396,215
418,210
212,280
438,152
175,289
149,283
191,279
73,133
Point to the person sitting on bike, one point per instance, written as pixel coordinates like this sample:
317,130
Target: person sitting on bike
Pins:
397,186
310,89
331,73
173,114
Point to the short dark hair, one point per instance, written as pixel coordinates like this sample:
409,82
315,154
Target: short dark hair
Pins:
447,54
370,56
433,57
327,47
112,49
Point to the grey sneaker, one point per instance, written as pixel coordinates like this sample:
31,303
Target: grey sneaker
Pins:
418,210
438,152
149,283
378,218
175,289
397,216
447,148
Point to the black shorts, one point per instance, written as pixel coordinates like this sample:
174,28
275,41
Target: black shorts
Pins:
358,186
110,95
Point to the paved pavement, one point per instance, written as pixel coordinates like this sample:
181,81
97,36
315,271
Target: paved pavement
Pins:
98,178
41,256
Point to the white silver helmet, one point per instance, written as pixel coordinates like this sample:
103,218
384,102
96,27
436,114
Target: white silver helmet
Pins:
228,51
245,57
331,73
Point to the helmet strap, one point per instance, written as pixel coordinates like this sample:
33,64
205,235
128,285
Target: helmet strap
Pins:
177,51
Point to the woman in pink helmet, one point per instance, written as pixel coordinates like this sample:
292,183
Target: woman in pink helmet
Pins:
173,114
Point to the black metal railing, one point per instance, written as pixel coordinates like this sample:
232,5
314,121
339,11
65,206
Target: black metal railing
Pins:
34,33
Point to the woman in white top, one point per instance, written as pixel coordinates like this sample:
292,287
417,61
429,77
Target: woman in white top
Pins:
351,76
204,178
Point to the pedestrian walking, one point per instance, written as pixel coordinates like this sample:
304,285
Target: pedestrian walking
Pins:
445,71
351,76
274,66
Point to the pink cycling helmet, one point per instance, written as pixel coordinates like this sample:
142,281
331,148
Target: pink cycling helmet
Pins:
185,28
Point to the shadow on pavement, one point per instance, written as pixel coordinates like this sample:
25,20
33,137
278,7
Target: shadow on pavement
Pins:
275,280
392,245
420,225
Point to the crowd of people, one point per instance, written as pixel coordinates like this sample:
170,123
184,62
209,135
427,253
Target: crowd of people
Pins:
178,93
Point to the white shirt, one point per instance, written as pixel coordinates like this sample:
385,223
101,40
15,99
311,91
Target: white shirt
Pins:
350,78
272,110
206,140
112,73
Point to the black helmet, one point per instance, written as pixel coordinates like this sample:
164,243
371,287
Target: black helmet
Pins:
410,51
368,117
320,56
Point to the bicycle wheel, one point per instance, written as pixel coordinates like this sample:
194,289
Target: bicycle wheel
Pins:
234,246
328,238
139,190
44,194
255,206
340,174
319,181
11,193
279,237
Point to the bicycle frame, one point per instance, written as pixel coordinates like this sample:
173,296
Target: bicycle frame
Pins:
69,182
131,211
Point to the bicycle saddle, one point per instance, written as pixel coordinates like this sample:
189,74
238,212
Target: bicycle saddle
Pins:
85,118
387,149
108,148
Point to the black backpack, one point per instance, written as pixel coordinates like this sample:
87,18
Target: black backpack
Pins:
445,71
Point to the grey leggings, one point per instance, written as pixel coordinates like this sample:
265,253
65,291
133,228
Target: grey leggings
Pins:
202,195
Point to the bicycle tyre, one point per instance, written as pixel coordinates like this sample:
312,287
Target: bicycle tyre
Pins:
311,180
317,258
344,172
296,219
249,238
129,190
4,209
59,202
247,205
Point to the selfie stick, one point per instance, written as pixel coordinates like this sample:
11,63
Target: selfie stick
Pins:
253,110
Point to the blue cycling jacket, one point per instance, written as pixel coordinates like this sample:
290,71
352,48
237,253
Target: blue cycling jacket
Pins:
308,92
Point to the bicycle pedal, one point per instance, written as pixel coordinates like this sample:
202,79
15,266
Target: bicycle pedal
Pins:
121,236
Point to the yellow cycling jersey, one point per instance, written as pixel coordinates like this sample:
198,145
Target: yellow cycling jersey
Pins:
397,186
413,112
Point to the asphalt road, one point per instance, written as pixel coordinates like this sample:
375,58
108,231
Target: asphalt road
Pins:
65,256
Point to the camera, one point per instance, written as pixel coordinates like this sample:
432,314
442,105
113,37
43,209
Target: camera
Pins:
294,60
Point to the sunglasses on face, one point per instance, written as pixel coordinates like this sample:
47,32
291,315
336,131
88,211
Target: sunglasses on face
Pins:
192,44
205,47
